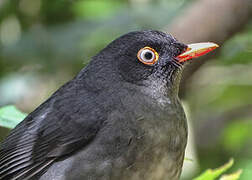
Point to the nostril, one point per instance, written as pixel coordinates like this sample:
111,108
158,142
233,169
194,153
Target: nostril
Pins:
179,48
182,47
187,49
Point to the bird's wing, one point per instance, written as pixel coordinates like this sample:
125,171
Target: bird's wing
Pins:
54,130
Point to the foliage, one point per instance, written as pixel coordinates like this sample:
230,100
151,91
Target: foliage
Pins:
212,174
10,116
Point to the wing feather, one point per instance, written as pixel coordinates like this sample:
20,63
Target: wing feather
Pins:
50,132
32,171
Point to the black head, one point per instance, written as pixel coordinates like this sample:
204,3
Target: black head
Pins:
140,57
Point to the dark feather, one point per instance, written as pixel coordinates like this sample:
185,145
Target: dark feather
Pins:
49,133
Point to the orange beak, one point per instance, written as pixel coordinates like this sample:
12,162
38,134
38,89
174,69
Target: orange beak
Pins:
196,50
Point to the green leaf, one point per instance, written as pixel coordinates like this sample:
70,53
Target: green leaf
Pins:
233,176
10,116
212,174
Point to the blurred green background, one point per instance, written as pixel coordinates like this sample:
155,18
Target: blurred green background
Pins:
45,43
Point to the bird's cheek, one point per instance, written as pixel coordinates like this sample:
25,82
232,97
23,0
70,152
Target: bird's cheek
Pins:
164,61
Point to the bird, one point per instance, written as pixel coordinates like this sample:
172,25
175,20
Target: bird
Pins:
120,117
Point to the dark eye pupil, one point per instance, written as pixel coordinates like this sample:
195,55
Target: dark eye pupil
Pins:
148,55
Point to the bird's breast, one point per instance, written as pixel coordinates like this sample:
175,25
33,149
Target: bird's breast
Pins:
161,145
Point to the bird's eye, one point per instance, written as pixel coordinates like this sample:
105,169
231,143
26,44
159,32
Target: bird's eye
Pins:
147,55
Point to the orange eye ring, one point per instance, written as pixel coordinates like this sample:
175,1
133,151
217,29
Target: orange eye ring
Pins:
147,55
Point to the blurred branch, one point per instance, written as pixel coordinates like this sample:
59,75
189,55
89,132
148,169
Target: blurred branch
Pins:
209,20
208,132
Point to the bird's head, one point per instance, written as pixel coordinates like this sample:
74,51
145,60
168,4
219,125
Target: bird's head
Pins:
147,57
